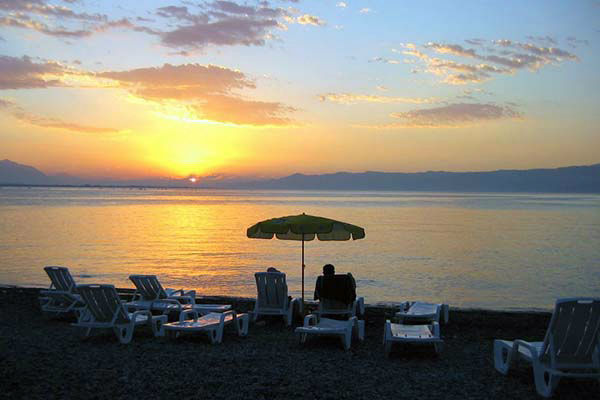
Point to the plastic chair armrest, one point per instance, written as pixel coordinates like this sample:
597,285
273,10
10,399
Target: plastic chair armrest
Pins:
225,314
309,318
529,346
183,315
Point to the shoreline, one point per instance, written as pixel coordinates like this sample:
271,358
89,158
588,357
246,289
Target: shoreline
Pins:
334,190
382,305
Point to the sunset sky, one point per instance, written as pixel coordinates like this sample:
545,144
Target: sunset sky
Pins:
269,88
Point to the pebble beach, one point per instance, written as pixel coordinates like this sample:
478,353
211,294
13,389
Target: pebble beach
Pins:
45,358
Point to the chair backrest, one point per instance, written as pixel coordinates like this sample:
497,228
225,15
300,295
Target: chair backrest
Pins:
148,287
272,290
336,291
572,337
331,306
61,278
103,303
421,308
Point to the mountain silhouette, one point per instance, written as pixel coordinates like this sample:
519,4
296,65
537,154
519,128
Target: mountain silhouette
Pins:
14,173
575,179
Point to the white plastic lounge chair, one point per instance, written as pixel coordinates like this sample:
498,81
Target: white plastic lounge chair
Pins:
420,312
313,325
148,288
166,306
213,324
104,310
61,279
150,295
273,296
54,302
570,347
61,296
419,334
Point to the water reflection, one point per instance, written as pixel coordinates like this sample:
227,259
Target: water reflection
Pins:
485,250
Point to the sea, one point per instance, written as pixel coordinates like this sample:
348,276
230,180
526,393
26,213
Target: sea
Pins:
502,251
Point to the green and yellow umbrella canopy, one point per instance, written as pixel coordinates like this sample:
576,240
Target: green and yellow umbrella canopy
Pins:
305,228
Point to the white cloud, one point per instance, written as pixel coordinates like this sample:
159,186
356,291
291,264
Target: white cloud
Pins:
482,64
454,115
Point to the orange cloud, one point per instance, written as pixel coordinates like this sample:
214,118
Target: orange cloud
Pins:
238,111
47,122
208,90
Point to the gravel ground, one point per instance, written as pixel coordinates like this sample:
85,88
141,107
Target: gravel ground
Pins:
49,359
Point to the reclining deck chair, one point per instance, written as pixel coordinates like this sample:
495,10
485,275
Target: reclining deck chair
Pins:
150,295
415,334
61,296
420,312
213,324
337,296
315,325
272,296
570,347
148,288
104,310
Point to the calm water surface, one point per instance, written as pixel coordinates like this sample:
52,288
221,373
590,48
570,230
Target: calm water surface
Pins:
498,251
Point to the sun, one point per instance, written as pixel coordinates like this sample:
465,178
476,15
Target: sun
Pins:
193,179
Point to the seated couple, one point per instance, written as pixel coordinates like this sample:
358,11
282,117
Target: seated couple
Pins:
338,289
337,293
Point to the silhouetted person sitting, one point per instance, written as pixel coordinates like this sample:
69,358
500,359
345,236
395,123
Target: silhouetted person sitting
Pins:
335,292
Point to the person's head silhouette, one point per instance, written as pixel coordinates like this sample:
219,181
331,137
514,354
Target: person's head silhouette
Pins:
328,269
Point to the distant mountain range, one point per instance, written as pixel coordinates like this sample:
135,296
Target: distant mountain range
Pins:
576,179
12,173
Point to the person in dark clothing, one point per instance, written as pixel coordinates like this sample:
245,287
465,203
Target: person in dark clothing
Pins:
328,269
340,287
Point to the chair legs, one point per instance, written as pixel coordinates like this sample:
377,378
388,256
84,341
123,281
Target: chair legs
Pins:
214,336
241,324
124,332
347,340
504,355
387,347
545,381
157,324
303,337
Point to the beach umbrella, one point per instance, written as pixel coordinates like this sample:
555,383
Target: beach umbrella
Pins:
305,228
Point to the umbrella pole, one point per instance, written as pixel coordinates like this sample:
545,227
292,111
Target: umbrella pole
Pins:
302,308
